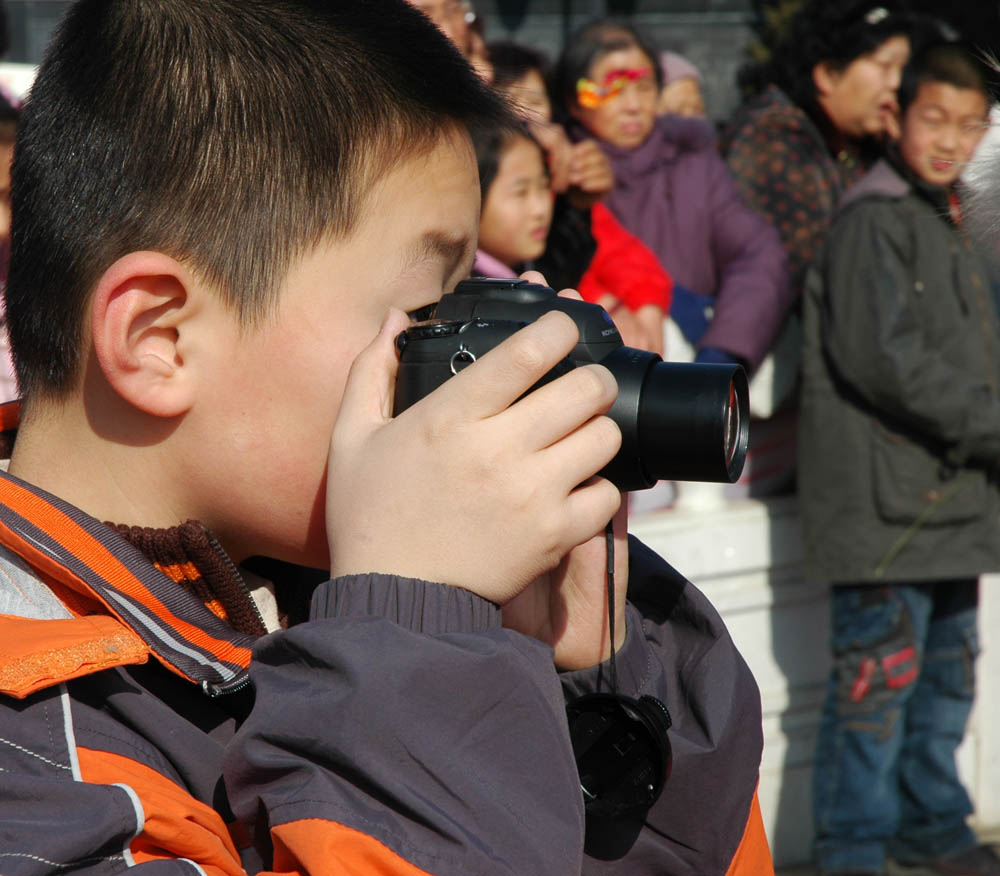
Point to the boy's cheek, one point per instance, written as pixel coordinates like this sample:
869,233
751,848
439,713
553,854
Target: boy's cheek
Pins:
970,145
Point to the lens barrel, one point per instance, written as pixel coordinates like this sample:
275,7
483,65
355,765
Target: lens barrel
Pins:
679,421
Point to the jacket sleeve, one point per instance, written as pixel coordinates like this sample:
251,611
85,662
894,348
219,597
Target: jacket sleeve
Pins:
624,266
874,341
753,294
706,821
402,730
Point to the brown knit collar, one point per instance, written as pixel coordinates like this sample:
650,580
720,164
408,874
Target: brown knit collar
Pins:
190,555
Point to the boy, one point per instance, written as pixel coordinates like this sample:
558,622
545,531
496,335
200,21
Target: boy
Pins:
900,445
218,205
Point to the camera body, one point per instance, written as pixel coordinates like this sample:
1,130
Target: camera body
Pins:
678,421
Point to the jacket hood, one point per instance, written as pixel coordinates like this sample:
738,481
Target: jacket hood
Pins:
883,180
890,177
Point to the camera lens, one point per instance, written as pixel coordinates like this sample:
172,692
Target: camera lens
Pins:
679,421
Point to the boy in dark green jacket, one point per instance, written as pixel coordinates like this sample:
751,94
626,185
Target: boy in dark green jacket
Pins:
899,446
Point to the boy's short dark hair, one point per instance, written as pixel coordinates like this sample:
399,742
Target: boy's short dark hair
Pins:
233,135
952,63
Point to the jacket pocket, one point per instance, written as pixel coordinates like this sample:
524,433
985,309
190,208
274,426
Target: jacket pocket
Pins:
910,483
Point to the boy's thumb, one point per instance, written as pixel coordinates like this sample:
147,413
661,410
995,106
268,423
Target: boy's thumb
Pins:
371,382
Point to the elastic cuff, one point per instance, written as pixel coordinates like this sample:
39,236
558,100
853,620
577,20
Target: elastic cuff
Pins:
421,606
631,664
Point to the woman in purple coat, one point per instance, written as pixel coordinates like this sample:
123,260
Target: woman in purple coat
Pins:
674,192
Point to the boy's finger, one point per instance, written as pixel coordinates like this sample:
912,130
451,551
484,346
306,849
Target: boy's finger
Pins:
583,453
589,508
534,277
510,369
369,390
555,410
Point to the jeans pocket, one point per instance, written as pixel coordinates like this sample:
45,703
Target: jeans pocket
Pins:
875,653
950,661
972,651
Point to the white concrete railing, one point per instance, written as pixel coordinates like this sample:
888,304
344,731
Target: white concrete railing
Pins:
746,556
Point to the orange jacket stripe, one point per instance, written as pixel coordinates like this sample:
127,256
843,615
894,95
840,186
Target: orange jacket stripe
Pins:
76,539
176,824
327,847
37,654
104,563
753,857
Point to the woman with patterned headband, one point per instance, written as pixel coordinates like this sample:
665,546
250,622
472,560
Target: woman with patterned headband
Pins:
674,193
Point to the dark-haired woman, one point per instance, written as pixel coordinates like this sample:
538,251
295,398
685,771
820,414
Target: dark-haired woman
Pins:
822,106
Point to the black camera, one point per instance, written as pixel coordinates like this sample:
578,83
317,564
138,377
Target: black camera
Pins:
679,421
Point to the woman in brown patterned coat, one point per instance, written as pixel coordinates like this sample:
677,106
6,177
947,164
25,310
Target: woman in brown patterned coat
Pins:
823,103
821,107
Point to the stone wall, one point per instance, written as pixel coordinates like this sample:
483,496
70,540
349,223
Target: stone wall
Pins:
713,34
30,23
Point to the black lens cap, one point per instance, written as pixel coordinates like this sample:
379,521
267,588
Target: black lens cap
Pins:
622,752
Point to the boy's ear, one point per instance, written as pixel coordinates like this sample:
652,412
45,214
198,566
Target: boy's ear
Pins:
137,318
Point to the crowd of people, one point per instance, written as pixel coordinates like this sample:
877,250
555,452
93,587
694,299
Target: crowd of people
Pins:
208,279
823,224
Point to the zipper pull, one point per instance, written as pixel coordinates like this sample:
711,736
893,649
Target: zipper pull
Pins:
238,684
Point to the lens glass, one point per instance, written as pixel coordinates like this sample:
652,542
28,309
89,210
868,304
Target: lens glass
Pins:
731,437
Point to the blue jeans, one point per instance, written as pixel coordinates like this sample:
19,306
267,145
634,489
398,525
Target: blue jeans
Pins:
899,695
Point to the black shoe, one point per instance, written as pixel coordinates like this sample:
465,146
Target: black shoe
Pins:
980,860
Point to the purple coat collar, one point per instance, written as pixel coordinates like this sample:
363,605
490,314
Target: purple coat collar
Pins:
670,136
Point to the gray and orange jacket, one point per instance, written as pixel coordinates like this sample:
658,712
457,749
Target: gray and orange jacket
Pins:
399,730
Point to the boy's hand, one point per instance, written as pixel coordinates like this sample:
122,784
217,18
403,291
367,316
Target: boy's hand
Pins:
471,486
567,608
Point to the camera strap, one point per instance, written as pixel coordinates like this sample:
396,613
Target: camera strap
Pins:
609,541
620,743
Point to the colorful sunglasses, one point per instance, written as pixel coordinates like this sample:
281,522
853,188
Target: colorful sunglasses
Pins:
590,95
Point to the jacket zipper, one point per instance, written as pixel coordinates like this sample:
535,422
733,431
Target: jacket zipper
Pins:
212,691
242,681
236,573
